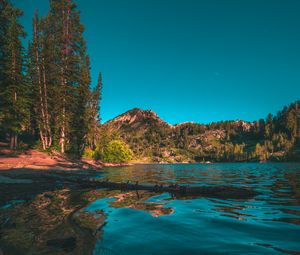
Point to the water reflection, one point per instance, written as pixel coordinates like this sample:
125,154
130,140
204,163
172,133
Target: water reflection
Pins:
279,183
139,201
267,224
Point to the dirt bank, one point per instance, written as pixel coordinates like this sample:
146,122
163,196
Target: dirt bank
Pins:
33,159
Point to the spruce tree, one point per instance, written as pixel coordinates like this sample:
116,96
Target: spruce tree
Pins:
93,114
68,70
39,82
79,119
13,86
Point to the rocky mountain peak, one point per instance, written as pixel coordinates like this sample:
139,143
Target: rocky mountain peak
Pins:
137,115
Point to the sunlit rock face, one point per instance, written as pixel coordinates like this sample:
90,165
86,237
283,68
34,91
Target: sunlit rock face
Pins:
244,125
137,118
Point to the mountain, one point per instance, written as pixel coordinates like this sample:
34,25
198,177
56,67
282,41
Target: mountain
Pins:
153,139
138,119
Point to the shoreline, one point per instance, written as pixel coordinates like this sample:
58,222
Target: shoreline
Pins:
36,160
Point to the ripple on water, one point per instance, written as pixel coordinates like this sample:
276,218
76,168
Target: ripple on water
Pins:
267,224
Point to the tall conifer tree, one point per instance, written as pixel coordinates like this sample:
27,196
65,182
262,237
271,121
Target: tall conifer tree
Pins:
93,114
37,73
13,86
62,76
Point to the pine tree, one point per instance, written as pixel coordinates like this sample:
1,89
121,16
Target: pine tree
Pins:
93,114
39,82
79,119
67,74
4,21
13,87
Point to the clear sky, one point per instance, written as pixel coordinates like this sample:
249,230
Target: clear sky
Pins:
191,60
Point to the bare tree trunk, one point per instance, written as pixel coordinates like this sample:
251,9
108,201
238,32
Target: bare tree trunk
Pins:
42,126
65,25
42,138
49,133
63,129
13,136
13,141
16,141
11,146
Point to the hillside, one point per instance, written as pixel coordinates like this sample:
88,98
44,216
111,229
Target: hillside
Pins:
153,139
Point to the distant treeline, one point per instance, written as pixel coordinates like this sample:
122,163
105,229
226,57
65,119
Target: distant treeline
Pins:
45,89
274,138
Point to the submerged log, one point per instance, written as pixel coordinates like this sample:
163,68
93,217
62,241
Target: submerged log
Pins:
225,192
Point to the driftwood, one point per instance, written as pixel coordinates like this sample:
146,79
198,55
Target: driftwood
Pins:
226,192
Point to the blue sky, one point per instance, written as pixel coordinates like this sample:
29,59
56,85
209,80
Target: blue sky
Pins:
191,60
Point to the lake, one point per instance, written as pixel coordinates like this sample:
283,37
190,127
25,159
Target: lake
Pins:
159,224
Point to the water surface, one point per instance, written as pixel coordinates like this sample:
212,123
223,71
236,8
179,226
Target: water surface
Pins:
267,224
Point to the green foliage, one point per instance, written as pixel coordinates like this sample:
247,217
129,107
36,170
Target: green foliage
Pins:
14,89
64,107
115,151
92,115
89,153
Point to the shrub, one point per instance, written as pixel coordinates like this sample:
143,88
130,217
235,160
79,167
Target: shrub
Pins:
88,153
116,151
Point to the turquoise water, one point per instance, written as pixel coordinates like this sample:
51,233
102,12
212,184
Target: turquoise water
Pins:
267,224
